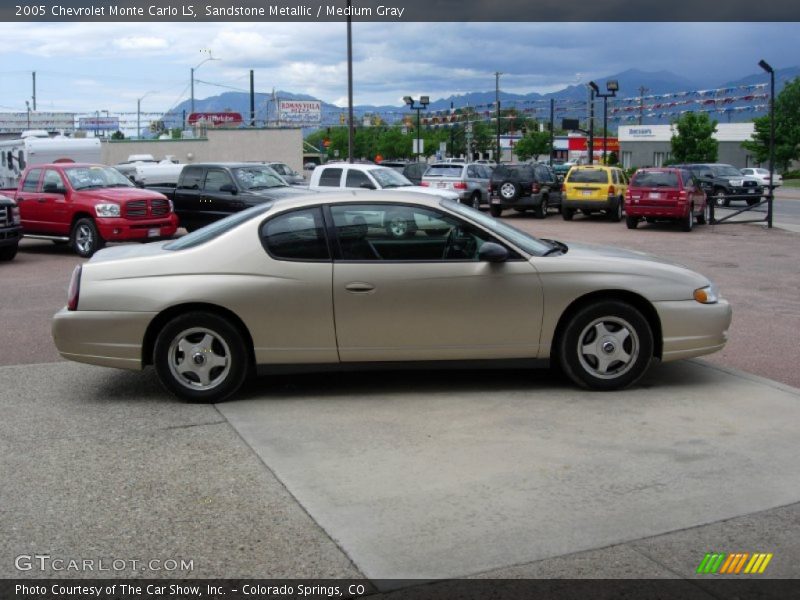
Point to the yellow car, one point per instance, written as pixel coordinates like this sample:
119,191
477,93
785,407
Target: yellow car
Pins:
594,188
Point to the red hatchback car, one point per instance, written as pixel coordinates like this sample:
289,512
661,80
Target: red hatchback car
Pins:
665,194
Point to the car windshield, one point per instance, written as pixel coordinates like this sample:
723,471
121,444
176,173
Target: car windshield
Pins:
217,228
520,239
389,178
587,176
655,179
451,170
725,171
82,178
258,178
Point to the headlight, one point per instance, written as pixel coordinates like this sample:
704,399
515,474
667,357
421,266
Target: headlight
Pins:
707,295
107,210
15,215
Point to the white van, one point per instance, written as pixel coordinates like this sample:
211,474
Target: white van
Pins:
36,147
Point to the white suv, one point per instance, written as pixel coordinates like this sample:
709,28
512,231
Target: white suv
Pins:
357,176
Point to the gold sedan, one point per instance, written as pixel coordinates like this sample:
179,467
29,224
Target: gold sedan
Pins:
380,277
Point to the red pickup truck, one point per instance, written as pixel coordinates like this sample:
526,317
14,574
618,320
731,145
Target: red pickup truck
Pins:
88,205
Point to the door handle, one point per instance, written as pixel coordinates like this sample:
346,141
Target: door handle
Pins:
359,287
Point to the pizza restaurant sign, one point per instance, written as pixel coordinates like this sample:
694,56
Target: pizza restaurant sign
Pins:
216,119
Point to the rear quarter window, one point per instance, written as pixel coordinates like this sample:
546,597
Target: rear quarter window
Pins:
330,177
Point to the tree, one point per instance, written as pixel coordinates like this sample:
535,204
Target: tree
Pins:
534,144
787,129
117,135
694,141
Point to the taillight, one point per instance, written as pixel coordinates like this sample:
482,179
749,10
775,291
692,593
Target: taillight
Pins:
424,184
611,190
536,188
628,194
459,185
682,196
74,289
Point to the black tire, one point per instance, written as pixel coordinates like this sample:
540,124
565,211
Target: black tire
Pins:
509,190
703,218
210,337
687,223
8,252
613,361
540,212
753,201
631,222
567,213
495,210
475,200
615,211
84,238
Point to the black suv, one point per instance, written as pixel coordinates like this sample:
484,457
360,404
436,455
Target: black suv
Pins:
725,183
10,228
524,187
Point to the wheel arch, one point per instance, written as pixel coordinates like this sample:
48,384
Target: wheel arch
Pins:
162,318
639,302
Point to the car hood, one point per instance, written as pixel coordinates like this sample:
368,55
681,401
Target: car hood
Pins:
599,251
120,194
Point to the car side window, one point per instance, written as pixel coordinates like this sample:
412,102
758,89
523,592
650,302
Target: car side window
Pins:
330,177
216,179
472,172
355,179
52,181
399,232
688,180
191,178
296,235
31,180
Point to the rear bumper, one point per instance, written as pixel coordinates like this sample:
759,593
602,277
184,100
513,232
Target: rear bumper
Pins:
140,229
586,204
530,201
660,212
692,329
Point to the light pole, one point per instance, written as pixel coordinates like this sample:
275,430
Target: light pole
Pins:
193,69
612,87
139,114
764,65
423,104
497,111
593,90
28,106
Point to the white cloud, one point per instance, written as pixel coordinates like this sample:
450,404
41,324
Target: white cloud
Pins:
141,43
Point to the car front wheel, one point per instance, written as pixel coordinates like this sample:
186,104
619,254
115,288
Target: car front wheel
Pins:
201,357
84,238
605,346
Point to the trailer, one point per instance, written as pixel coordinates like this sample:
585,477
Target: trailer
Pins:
37,147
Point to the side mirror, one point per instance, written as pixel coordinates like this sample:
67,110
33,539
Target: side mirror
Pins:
228,187
494,253
367,185
52,188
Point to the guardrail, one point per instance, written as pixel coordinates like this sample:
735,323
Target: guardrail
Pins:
766,198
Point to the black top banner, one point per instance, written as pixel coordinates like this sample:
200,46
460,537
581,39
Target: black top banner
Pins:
403,10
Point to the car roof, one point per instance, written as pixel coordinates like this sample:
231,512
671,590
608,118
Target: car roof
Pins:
229,164
377,196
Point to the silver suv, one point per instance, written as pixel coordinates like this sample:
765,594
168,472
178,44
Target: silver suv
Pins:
469,181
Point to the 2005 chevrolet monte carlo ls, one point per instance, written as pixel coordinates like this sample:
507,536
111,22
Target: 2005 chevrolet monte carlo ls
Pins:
384,278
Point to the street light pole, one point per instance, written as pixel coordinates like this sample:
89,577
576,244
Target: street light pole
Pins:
497,110
423,104
764,65
612,86
593,89
350,123
191,75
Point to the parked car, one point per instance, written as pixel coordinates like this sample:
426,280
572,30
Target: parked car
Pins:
397,165
331,177
561,169
469,181
305,281
207,192
762,175
87,205
291,176
414,171
725,183
594,188
665,194
10,228
524,187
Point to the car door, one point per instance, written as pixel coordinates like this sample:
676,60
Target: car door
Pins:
28,197
550,181
426,296
218,200
53,203
187,197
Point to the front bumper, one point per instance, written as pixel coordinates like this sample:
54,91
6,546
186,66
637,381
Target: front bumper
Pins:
105,338
690,328
119,229
10,236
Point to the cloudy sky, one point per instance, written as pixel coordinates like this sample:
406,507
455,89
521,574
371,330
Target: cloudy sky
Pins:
85,67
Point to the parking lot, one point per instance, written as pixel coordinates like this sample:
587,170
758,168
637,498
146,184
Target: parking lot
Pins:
419,475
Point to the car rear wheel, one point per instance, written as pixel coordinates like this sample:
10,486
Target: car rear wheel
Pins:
475,201
540,212
631,222
705,215
201,357
84,239
567,213
615,212
495,210
605,346
752,201
688,221
510,190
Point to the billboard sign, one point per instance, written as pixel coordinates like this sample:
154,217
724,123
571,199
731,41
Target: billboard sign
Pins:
216,119
17,122
98,123
300,112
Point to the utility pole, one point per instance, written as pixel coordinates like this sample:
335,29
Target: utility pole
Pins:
552,127
34,90
350,124
452,141
642,91
252,99
497,114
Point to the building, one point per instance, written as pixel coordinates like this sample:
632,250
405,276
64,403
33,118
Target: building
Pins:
649,145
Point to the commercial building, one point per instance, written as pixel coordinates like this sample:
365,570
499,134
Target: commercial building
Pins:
649,145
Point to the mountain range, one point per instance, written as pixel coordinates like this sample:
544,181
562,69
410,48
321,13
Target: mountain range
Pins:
571,99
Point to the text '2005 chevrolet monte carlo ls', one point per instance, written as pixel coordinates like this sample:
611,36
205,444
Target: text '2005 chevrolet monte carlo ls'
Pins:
317,281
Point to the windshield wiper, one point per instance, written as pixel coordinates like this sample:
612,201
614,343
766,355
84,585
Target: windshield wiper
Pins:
557,247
